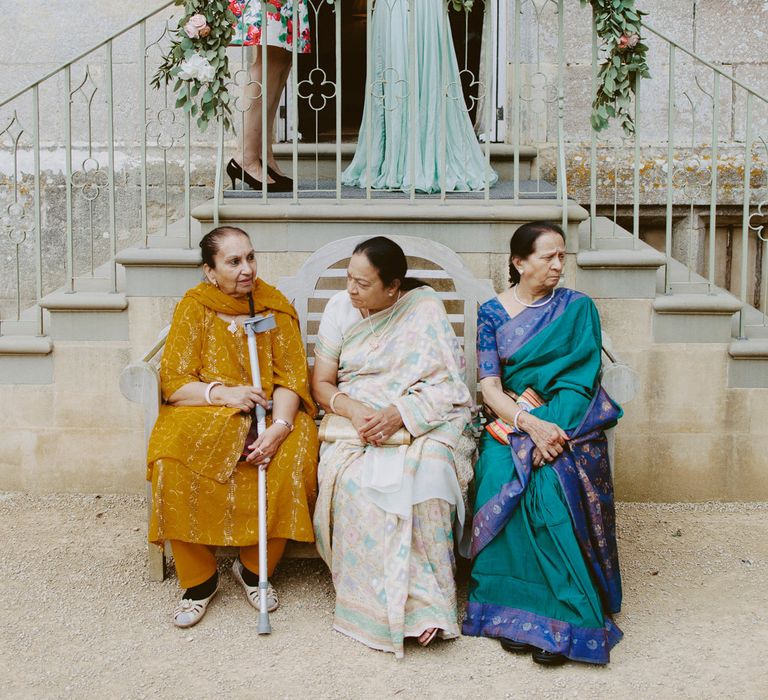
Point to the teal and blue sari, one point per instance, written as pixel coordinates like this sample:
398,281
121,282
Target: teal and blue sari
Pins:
546,568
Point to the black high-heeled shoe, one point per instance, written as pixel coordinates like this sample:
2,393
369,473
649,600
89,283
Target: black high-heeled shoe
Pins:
284,179
237,172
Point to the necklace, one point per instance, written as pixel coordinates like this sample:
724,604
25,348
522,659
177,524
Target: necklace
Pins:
386,325
532,306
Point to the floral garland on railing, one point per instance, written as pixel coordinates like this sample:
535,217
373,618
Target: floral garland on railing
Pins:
618,24
197,59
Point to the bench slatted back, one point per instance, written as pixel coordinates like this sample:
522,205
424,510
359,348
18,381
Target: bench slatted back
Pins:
323,274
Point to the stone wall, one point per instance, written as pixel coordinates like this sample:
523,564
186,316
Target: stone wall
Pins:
682,439
729,34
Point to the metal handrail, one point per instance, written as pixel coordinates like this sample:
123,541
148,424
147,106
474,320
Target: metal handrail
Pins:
704,62
527,126
691,166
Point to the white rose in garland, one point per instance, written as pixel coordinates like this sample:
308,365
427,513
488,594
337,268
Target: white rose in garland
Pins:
196,68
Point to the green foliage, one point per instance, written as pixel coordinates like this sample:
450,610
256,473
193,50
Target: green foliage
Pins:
208,100
618,25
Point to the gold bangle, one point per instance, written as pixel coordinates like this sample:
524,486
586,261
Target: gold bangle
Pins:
333,399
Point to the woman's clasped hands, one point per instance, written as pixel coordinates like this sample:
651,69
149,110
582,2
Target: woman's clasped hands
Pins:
375,427
549,438
246,398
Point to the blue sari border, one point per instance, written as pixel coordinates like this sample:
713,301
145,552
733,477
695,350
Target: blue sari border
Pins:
590,645
527,324
585,477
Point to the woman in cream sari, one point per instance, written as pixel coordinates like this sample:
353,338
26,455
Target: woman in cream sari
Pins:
387,360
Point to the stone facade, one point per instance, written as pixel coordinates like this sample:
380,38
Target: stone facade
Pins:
681,439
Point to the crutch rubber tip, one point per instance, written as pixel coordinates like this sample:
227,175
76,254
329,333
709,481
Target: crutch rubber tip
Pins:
264,626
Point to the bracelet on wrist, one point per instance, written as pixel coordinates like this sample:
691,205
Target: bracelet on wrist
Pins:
333,400
515,419
282,421
208,399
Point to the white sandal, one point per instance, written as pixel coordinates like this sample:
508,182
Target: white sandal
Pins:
189,612
252,592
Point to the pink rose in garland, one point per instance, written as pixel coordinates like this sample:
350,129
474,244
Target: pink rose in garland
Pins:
197,26
628,41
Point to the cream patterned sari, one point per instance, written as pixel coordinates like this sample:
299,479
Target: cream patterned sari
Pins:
390,546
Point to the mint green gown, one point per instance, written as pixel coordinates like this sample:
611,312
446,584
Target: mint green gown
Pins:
387,108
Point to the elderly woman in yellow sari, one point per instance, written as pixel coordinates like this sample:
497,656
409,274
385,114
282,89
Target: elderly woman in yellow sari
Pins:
389,365
204,452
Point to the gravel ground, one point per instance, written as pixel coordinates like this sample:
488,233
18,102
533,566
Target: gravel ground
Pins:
81,620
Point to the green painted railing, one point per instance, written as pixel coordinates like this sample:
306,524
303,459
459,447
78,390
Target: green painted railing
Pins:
125,167
681,162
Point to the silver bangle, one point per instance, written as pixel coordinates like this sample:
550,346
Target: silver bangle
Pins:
208,392
514,420
282,421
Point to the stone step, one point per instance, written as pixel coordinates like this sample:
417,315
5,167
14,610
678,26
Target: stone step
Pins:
694,318
320,159
26,359
325,188
160,272
619,273
465,225
748,364
87,316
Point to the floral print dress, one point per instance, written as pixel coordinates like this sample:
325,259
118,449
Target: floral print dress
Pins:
280,24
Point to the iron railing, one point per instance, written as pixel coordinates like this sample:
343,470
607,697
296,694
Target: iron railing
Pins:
91,169
698,162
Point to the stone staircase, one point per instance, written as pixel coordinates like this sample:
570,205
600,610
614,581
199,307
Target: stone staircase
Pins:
704,397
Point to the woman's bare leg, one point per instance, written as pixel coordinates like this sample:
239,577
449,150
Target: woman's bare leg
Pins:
271,162
277,59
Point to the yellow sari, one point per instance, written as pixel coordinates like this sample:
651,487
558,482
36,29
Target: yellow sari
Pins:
202,492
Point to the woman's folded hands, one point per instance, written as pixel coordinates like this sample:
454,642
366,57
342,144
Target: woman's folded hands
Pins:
549,438
375,427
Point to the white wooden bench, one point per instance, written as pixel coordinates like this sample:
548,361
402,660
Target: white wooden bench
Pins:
318,279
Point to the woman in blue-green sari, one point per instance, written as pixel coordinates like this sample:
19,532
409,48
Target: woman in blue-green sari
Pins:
545,576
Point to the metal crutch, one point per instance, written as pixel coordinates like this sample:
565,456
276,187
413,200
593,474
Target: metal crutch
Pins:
254,325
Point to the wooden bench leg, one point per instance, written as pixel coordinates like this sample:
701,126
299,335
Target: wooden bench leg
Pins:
155,562
155,553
